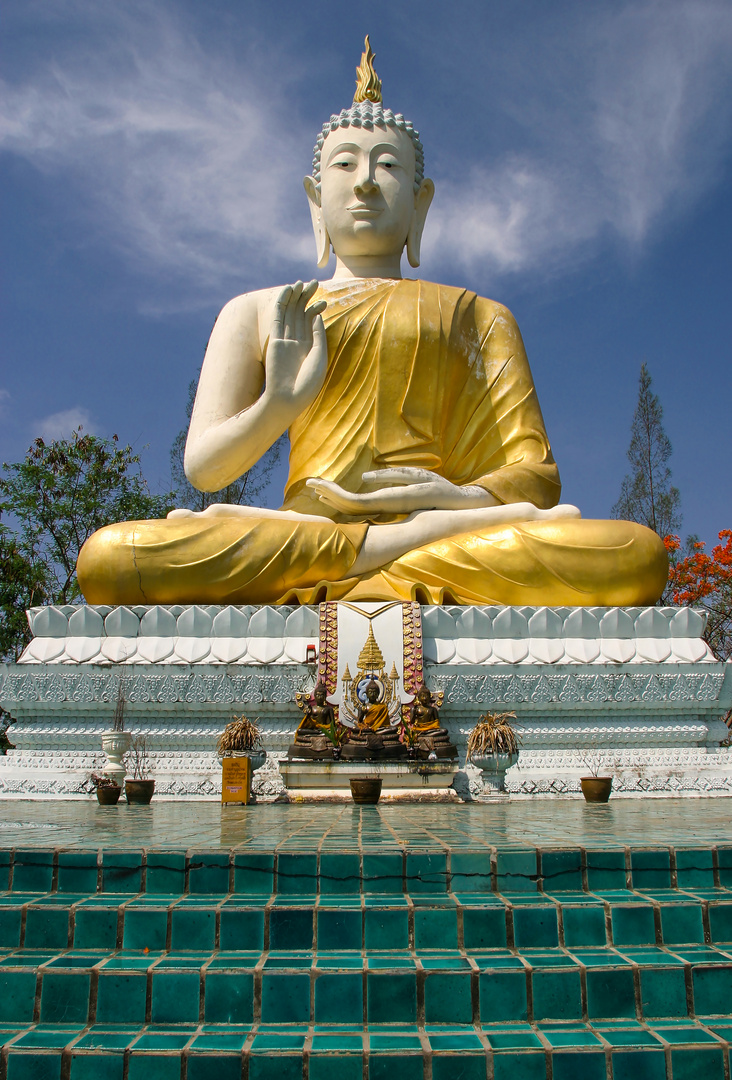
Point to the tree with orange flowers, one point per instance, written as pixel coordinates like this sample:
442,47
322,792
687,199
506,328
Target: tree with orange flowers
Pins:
700,580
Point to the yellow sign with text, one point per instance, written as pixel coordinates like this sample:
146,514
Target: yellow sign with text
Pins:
236,780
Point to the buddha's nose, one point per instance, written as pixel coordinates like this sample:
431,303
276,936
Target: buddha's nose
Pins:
364,184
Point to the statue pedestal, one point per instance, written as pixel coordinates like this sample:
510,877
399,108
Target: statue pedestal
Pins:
328,779
636,691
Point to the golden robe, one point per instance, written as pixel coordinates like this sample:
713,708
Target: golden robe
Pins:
376,717
418,375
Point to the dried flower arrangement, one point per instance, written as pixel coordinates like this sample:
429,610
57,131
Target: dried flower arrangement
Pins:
494,734
103,781
118,724
598,764
240,735
137,758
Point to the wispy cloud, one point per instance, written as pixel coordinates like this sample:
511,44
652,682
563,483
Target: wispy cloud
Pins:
182,160
634,130
190,166
62,425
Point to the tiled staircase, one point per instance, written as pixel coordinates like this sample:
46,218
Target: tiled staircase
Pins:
365,959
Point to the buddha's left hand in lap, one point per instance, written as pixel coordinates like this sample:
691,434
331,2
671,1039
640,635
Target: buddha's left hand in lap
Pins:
409,489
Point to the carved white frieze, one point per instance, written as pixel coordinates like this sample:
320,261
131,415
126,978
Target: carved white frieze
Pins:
118,649
158,622
192,650
266,649
472,650
463,635
154,649
569,687
81,650
122,623
194,622
228,650
44,649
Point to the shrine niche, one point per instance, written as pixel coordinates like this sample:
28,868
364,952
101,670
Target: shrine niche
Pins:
372,722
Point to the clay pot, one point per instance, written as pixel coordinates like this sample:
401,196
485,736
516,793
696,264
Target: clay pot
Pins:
108,796
139,791
596,788
366,790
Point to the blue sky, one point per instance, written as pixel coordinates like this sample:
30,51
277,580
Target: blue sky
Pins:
151,167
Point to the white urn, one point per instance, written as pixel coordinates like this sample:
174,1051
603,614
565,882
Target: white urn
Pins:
494,768
115,745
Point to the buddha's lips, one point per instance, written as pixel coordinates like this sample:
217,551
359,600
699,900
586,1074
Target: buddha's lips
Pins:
364,211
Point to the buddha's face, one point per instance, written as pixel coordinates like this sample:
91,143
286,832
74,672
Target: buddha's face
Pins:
372,694
319,695
367,190
424,696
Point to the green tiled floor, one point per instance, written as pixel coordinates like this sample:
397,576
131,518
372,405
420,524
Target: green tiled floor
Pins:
694,824
270,942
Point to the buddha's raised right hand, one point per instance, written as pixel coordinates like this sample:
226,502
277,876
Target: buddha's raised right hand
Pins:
297,350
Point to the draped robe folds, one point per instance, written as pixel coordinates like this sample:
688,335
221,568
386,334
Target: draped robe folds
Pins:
376,718
418,375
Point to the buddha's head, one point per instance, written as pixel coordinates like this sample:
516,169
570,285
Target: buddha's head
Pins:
368,194
424,696
320,693
372,692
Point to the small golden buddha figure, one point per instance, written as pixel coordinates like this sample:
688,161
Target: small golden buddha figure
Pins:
420,467
311,739
374,735
319,712
374,714
423,715
424,722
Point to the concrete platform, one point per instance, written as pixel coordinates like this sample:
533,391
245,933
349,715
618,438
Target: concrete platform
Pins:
636,691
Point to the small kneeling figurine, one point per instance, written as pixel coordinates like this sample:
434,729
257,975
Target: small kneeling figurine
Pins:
424,726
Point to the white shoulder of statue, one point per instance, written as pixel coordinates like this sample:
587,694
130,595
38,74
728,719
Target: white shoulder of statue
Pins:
249,312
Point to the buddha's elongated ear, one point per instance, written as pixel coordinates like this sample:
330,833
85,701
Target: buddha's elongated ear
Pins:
422,201
322,240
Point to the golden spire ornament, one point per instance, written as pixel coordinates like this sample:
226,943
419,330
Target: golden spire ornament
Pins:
368,83
371,657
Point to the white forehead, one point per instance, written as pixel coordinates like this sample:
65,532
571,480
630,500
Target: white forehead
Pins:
358,138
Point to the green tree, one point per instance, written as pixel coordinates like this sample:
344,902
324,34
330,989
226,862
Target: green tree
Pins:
248,490
52,501
60,494
22,585
647,495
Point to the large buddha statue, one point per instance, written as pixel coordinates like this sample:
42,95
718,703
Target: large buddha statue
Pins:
419,465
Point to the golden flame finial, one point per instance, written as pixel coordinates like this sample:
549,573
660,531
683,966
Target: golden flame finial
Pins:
368,83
